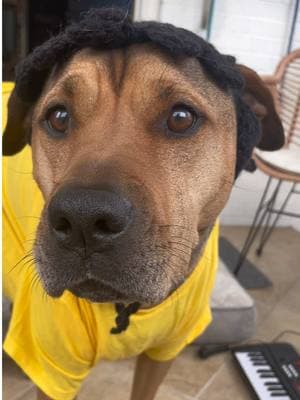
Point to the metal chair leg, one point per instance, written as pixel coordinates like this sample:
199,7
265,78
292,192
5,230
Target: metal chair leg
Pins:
269,206
267,232
253,229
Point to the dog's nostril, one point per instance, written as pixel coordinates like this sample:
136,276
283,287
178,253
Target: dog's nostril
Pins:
62,228
108,226
88,218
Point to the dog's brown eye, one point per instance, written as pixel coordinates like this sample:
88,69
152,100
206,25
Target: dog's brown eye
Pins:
181,119
58,120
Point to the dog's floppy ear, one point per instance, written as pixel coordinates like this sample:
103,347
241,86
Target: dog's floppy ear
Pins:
14,137
259,98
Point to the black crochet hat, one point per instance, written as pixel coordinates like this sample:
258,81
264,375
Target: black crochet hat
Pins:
110,28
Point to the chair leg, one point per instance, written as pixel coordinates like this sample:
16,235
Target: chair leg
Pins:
269,229
269,208
254,229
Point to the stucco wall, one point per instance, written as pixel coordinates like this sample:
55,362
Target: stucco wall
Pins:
257,33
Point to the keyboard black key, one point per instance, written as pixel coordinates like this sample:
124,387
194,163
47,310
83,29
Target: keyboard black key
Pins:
257,357
271,383
267,375
264,370
259,363
273,388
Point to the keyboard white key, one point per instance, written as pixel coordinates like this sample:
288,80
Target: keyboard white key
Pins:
265,383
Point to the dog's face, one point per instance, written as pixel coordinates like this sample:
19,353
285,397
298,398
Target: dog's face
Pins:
135,156
134,151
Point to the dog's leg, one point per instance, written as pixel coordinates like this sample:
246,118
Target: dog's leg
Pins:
147,377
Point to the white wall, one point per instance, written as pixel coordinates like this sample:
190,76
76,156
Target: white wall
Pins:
145,10
246,195
296,41
186,14
256,32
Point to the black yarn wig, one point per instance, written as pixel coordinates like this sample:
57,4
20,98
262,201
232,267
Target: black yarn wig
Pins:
109,29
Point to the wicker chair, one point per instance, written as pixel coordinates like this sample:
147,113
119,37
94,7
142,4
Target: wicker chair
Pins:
281,165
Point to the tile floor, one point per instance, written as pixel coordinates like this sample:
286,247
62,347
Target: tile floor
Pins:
191,378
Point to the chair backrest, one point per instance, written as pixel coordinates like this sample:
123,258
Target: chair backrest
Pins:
288,85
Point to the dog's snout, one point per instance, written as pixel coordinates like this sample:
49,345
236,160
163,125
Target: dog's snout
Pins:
85,217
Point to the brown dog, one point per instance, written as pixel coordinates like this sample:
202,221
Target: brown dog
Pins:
124,142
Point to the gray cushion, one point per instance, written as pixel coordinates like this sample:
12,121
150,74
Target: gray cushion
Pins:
233,310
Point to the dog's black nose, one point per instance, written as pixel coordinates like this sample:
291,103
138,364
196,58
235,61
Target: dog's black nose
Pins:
90,218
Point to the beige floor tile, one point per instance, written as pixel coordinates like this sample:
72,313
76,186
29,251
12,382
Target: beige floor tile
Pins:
111,380
189,373
226,384
167,392
285,316
28,395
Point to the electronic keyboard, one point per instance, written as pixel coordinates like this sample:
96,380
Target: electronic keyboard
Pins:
272,370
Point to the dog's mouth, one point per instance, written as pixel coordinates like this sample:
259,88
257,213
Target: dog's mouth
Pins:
96,291
141,268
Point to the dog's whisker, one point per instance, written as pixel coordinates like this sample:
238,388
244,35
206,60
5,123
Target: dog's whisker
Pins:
176,249
173,253
181,238
183,241
184,236
166,257
184,232
19,172
31,233
28,241
170,278
181,244
28,216
35,278
45,295
30,262
173,226
29,254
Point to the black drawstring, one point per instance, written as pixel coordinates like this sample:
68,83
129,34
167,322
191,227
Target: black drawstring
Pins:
122,319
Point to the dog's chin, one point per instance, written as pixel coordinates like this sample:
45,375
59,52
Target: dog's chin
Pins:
97,292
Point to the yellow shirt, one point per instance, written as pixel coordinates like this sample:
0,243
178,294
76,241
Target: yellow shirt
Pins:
57,341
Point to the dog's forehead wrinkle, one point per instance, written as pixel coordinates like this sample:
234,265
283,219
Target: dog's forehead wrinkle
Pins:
187,78
93,72
117,68
140,57
201,82
70,83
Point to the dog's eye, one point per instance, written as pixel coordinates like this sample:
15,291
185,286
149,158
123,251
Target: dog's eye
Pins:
58,120
181,119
